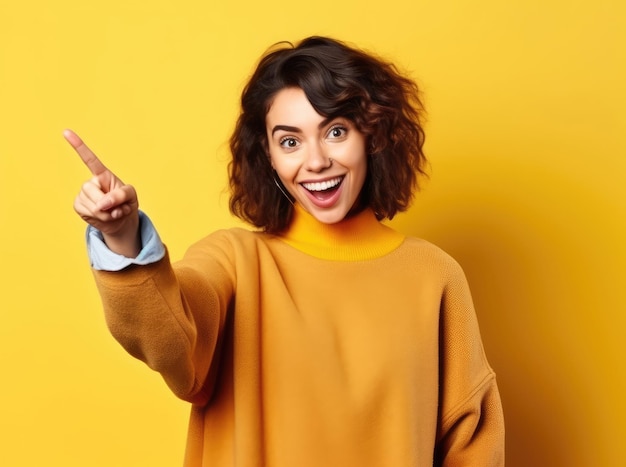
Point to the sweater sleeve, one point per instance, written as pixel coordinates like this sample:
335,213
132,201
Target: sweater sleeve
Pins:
172,317
471,422
102,258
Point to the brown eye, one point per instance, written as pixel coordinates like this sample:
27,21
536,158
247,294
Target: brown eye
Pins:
337,131
288,143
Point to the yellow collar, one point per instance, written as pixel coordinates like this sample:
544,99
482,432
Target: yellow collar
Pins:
357,238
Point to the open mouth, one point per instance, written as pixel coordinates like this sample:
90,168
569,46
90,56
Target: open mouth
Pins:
325,189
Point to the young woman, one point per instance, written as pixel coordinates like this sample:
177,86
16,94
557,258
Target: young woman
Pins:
322,337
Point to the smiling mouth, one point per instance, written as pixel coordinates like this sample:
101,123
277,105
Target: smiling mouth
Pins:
323,187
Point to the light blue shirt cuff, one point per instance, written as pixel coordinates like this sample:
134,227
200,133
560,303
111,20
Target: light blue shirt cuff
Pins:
103,259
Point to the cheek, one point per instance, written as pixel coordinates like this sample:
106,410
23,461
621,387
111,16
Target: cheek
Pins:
285,168
360,169
357,158
360,178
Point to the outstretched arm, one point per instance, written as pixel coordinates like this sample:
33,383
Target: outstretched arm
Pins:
172,318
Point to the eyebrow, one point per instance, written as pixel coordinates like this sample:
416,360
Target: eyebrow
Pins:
292,129
295,129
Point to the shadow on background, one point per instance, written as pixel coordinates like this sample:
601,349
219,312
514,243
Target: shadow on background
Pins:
543,298
537,378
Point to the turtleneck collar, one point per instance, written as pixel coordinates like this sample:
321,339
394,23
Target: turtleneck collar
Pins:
360,237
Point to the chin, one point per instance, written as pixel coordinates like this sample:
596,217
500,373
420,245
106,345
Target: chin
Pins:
332,216
329,219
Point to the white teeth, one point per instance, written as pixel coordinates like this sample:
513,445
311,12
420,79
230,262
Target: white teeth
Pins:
321,186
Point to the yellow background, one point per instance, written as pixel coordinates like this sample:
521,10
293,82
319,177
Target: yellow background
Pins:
526,134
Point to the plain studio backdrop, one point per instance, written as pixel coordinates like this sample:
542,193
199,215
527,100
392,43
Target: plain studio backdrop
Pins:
525,135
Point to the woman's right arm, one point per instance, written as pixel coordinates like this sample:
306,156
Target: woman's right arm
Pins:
172,317
169,317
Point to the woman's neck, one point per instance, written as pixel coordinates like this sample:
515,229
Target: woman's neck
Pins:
356,238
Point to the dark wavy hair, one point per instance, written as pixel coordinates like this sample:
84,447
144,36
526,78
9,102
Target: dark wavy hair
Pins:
339,81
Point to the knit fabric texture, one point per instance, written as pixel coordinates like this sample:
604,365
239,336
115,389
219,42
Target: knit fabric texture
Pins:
330,345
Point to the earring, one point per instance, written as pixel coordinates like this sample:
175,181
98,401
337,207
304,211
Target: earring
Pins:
280,187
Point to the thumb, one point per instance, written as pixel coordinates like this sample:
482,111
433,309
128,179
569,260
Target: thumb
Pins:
118,196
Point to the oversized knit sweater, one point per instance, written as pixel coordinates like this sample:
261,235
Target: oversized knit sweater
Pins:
344,345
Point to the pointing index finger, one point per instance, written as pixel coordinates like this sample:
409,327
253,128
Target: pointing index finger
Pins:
88,157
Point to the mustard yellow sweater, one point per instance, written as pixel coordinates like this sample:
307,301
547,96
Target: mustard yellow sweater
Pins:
332,345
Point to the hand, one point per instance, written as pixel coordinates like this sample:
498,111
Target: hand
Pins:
106,203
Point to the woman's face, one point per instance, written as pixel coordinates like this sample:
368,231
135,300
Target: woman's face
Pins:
321,162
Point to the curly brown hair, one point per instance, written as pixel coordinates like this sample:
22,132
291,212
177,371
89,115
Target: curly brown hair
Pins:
339,81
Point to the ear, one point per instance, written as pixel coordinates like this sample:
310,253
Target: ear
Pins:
371,148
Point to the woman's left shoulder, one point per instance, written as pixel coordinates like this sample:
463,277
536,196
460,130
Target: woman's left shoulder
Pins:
428,251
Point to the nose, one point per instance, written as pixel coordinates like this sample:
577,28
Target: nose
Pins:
317,158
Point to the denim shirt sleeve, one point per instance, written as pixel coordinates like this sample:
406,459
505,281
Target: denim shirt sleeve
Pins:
103,259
